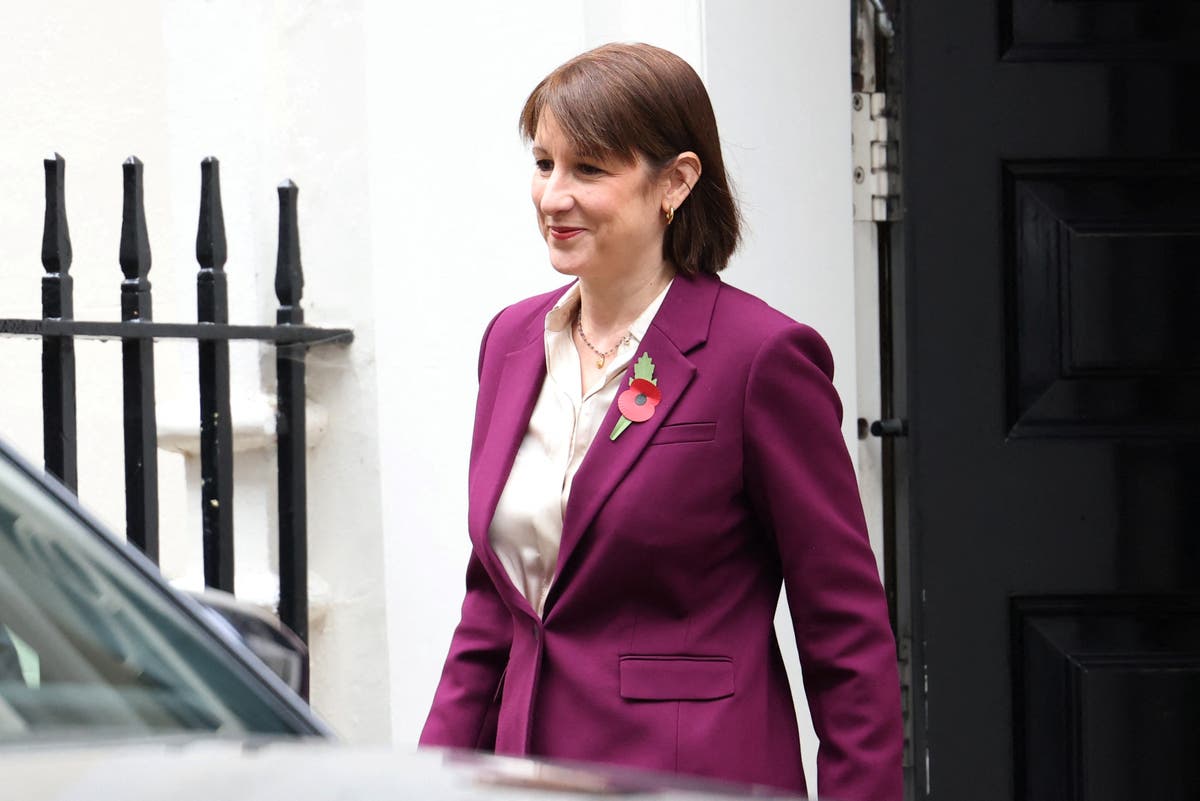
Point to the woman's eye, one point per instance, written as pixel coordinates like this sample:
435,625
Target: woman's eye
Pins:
590,169
544,165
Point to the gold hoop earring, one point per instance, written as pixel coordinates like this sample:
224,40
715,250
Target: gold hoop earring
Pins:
670,214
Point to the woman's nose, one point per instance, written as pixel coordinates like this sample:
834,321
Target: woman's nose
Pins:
555,194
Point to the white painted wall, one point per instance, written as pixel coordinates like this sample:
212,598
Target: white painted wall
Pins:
398,121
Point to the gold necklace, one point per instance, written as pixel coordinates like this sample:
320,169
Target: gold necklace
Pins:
603,356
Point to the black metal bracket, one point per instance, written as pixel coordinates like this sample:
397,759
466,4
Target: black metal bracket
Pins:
98,329
889,427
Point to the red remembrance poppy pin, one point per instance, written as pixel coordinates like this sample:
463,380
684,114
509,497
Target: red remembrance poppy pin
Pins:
638,402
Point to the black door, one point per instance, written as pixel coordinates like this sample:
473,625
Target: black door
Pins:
1046,334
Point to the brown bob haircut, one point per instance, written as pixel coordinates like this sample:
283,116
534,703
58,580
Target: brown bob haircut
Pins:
631,100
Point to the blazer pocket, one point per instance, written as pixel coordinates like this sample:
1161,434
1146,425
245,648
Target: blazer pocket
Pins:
684,432
676,678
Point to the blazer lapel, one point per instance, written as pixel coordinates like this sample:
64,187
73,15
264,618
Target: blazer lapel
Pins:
680,326
513,402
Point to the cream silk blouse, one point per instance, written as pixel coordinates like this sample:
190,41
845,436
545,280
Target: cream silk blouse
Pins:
527,527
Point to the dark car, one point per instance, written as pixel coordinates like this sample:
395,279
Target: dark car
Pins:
94,644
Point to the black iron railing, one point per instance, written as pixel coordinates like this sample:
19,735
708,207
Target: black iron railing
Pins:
212,332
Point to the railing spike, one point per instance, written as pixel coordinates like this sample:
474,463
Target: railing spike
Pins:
216,421
210,234
290,424
59,441
137,357
289,276
135,241
56,238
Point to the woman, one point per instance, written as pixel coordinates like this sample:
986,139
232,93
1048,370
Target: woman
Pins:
654,452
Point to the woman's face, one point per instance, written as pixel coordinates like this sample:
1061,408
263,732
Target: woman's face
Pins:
601,218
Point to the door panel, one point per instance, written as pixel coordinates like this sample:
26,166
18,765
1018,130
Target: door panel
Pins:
1105,275
1105,693
1085,30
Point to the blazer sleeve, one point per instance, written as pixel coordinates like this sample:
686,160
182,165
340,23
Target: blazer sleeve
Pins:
466,703
802,485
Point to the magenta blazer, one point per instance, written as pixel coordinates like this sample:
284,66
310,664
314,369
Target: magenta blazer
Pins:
657,647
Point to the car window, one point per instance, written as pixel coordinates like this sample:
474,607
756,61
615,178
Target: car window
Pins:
90,646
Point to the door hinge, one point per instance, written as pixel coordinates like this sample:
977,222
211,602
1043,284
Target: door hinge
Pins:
873,137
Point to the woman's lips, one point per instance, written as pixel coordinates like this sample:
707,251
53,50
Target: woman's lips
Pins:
562,232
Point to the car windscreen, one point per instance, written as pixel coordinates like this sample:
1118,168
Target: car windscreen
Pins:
92,647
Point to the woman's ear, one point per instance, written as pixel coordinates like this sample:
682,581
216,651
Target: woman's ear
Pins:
681,175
